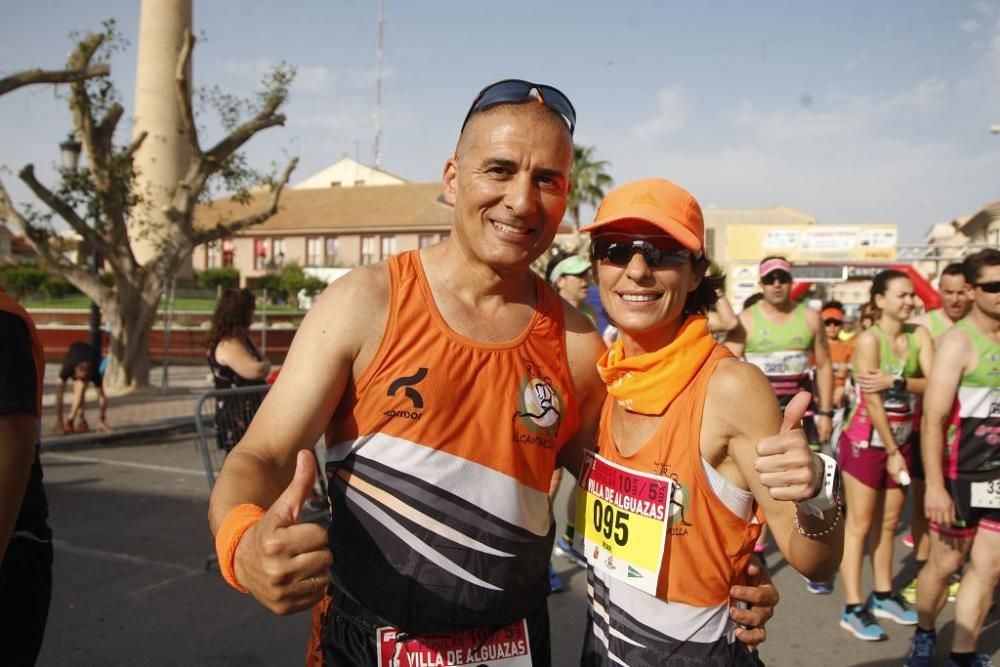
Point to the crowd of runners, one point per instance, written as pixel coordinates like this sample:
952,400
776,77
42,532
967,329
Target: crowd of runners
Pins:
453,384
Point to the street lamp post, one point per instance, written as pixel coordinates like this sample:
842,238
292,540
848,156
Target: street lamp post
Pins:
70,150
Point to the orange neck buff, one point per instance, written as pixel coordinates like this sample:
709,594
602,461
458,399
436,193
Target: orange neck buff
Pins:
648,384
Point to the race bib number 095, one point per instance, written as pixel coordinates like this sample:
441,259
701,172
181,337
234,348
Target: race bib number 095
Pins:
621,524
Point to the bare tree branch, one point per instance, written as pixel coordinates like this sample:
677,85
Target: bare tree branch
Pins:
130,150
53,201
39,239
80,104
182,76
265,118
230,228
34,76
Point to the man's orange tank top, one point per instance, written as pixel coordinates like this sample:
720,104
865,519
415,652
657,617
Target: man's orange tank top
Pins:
707,545
439,462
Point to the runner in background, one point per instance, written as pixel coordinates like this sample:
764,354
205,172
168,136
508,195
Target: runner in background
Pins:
875,451
721,318
841,352
956,301
781,337
962,465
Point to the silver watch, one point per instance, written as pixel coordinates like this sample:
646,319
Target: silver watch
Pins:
828,495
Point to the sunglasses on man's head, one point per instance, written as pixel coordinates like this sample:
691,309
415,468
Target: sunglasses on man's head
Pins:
783,277
513,91
833,322
990,287
658,252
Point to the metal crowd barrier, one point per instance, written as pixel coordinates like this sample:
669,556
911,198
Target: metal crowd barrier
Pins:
221,418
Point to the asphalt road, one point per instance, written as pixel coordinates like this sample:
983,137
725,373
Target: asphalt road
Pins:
131,586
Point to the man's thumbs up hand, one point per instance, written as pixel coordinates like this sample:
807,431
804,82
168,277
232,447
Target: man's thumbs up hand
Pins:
284,563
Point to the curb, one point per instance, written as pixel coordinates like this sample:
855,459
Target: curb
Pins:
133,434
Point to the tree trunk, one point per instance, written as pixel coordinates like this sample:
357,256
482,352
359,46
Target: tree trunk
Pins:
131,317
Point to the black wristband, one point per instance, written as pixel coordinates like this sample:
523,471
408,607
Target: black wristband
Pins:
825,413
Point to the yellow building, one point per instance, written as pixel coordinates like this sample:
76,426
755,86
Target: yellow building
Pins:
844,256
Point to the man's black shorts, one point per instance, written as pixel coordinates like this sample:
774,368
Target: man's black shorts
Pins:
351,638
968,519
25,593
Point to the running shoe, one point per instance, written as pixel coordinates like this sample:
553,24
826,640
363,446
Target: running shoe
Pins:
908,540
953,589
760,548
894,608
981,660
921,650
565,549
555,583
909,592
819,588
862,625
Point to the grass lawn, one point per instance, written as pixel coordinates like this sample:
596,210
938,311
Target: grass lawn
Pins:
80,302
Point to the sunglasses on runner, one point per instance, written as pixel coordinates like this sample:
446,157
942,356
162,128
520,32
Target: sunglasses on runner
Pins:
832,322
513,91
657,251
783,277
991,287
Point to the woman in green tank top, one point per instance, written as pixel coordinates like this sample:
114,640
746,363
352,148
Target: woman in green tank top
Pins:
875,450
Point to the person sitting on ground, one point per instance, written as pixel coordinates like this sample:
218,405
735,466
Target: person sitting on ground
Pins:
235,362
83,366
674,499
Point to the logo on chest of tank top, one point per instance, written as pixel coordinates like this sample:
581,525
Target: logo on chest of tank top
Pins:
406,383
680,498
539,408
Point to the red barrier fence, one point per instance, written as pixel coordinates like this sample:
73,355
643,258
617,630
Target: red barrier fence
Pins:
185,343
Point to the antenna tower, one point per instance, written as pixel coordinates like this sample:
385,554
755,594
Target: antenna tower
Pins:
378,85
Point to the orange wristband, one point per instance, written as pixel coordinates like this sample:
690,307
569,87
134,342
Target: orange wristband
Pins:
237,522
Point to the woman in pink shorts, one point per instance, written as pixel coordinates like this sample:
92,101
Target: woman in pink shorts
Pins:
875,452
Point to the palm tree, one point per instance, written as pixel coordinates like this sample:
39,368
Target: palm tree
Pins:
589,182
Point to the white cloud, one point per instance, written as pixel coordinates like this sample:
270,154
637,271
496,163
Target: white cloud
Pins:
673,110
969,26
318,80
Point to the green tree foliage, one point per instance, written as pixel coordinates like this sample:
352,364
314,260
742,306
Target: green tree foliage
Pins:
588,179
32,280
220,277
108,209
22,280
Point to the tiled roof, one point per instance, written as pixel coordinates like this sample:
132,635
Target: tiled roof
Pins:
408,207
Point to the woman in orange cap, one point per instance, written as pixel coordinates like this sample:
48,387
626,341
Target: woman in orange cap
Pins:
673,501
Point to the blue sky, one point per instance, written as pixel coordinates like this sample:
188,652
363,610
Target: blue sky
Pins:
856,111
